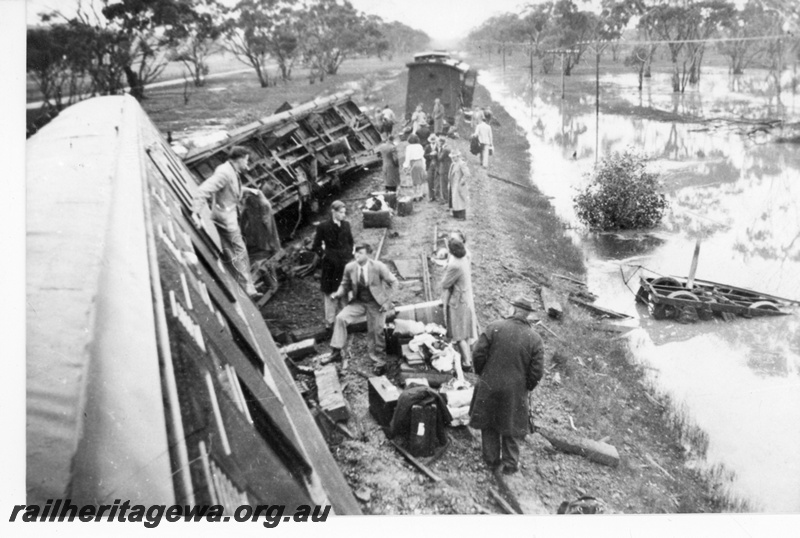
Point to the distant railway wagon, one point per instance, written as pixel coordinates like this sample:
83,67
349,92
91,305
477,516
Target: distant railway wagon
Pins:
151,377
436,75
298,152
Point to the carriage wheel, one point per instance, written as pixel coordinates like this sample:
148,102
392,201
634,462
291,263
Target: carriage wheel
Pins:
765,305
683,294
666,282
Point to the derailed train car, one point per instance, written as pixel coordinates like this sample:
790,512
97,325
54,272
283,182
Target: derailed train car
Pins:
435,75
151,376
299,152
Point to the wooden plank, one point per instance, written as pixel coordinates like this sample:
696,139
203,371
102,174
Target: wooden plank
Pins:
317,333
551,303
299,350
380,244
574,444
599,309
416,463
575,280
329,393
506,492
426,279
501,501
408,269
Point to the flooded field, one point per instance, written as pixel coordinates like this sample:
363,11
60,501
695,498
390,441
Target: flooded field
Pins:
734,188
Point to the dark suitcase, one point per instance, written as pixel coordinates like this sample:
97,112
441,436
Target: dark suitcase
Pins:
422,435
382,396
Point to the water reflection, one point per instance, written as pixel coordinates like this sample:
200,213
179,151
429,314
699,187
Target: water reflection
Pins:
740,195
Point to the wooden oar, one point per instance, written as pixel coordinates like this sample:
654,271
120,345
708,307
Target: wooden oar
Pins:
693,269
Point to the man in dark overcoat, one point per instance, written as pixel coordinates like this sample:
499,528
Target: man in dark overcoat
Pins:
391,164
333,243
509,358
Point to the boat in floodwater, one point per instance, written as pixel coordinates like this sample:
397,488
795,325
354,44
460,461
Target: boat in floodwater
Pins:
151,377
669,297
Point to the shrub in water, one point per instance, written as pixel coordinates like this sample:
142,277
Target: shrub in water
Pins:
621,195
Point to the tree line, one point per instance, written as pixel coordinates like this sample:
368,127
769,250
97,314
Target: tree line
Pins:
682,30
111,44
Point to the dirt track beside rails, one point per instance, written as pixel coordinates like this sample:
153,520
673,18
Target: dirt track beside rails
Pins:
592,389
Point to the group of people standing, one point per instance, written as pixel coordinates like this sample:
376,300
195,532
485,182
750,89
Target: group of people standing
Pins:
429,161
507,355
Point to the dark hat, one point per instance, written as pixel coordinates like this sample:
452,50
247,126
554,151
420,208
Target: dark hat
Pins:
520,301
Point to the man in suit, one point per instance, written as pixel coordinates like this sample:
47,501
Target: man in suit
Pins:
333,243
372,286
509,358
224,189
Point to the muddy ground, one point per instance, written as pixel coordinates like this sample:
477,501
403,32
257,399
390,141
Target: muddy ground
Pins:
592,389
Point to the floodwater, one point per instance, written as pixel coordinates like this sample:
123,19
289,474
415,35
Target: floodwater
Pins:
732,188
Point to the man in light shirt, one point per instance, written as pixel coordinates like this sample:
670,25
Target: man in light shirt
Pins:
484,133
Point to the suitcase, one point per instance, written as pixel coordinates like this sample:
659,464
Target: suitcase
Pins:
422,435
382,397
405,206
377,219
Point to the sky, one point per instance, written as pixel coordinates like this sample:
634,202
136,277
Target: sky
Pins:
443,20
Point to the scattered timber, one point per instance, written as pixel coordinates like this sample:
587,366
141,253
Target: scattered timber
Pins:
575,280
416,463
426,278
380,245
574,444
329,393
598,309
551,303
317,333
299,350
504,180
501,501
506,492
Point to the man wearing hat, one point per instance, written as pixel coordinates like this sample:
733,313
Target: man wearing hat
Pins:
224,189
509,358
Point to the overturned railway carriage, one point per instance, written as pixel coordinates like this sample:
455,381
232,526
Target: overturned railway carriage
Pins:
151,377
298,152
436,75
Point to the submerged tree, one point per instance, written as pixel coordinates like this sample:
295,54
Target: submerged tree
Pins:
621,195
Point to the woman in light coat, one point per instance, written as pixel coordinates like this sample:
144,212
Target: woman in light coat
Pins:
459,172
415,164
457,300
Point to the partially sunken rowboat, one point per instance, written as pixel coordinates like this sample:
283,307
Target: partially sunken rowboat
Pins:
669,297
299,152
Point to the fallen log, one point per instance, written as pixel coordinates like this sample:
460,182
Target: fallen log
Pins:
416,463
599,309
574,444
504,180
551,304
